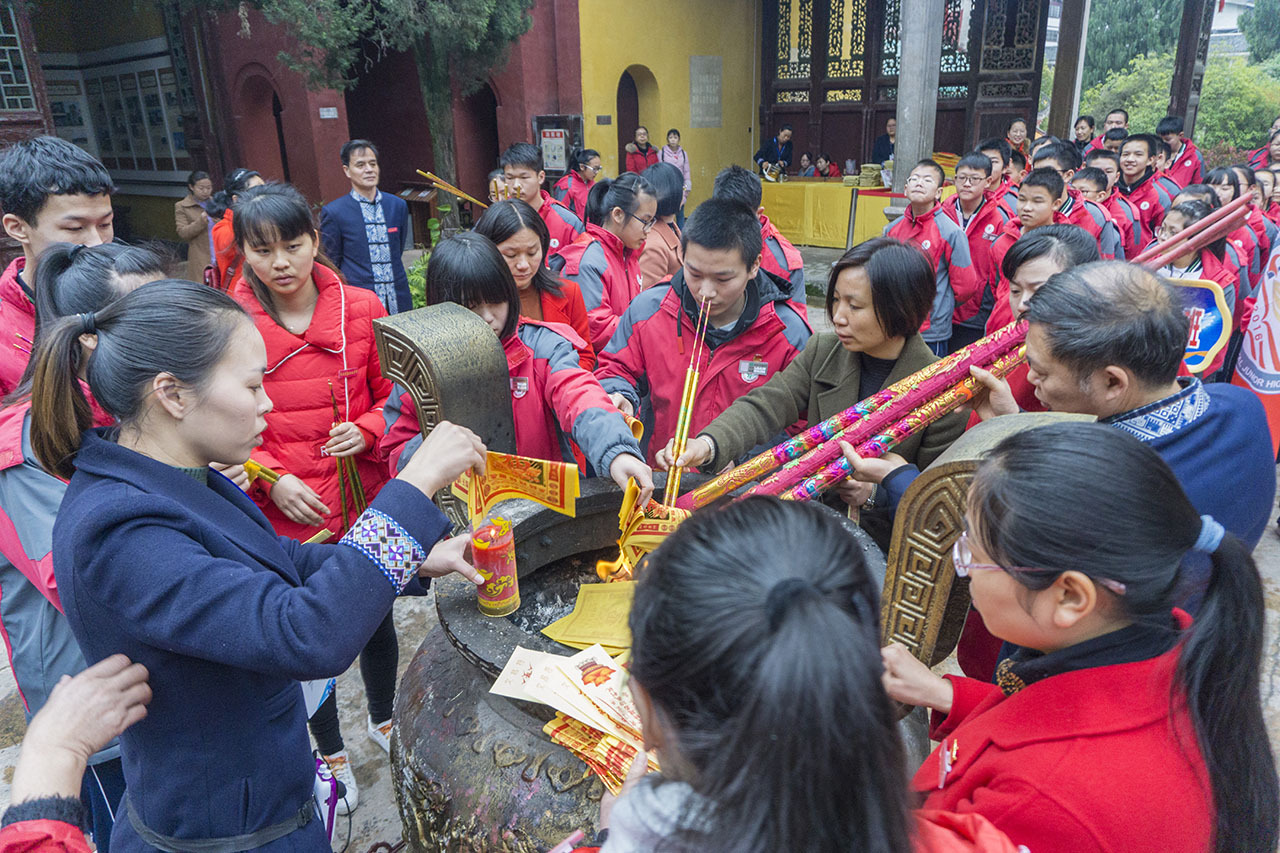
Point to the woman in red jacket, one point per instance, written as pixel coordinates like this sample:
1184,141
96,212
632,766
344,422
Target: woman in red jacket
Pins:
640,154
553,400
226,257
605,260
320,352
522,237
1116,724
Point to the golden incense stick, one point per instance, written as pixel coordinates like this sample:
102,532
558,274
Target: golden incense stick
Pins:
450,188
686,405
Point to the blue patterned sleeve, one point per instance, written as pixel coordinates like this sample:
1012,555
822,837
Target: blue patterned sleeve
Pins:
387,545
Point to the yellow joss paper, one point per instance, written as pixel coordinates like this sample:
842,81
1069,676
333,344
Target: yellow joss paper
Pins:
552,484
599,616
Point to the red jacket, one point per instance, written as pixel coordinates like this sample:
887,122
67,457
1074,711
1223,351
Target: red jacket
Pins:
552,399
638,160
1096,759
1246,245
17,326
567,309
1187,167
1007,193
42,836
1001,313
1095,219
779,257
1128,219
563,223
654,344
226,256
1273,212
337,348
1150,198
982,230
571,191
608,275
1264,230
948,248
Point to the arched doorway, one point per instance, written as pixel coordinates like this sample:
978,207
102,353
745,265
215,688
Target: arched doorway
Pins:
475,133
262,141
637,103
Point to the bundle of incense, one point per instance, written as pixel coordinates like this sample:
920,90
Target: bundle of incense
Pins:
258,471
441,183
686,403
348,476
919,418
919,388
817,435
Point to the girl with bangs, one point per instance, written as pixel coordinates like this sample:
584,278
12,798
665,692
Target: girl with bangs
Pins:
320,354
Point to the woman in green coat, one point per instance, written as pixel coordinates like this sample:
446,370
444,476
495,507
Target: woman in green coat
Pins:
878,295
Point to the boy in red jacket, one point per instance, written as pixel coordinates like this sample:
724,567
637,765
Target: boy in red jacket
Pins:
522,168
50,192
753,331
777,256
998,151
1091,183
1038,199
1116,203
975,208
1137,180
1063,158
1186,166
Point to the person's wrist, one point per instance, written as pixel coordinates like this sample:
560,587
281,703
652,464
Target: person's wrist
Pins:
711,445
945,696
47,770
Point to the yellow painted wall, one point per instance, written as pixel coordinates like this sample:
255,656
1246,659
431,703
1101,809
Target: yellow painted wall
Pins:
661,35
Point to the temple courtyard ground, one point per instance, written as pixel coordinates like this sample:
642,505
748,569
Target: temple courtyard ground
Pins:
377,818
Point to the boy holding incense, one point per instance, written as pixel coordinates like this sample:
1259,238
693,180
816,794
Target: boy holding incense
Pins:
752,330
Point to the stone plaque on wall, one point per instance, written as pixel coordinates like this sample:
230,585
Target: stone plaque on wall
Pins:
704,90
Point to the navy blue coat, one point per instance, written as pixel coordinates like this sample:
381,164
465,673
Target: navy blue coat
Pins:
343,235
191,581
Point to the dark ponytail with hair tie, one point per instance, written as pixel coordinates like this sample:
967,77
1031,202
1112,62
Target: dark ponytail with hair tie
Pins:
623,192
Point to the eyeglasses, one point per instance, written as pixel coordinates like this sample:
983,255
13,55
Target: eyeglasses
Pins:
645,223
962,558
920,179
595,170
966,180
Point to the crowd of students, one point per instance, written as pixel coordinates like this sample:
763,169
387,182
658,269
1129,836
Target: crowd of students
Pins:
169,447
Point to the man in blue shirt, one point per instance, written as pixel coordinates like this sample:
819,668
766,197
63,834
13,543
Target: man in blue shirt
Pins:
366,231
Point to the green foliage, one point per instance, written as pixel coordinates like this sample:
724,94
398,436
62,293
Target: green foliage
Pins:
418,280
1261,28
1237,101
1046,94
1122,29
1272,66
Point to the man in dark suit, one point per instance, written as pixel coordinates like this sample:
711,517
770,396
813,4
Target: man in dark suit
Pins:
366,231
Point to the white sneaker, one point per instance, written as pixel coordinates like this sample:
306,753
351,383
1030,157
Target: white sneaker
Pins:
380,733
340,766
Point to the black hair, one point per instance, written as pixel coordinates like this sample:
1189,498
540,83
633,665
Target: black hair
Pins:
1041,141
237,181
1046,178
1124,113
521,154
1093,176
504,219
1017,158
1113,313
1115,133
786,127
738,184
804,154
999,144
668,187
169,326
640,127
497,174
748,611
1066,245
468,269
72,279
1193,210
903,283
1148,139
976,160
822,155
1224,175
1165,148
673,130
1170,124
1014,121
1200,192
721,223
624,191
352,146
1062,153
1245,174
932,164
580,157
196,177
1103,154
36,168
1087,119
1030,499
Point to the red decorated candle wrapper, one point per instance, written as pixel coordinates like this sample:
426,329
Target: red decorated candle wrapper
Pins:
884,407
493,553
915,421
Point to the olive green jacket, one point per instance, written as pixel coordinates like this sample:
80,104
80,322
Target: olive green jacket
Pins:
823,381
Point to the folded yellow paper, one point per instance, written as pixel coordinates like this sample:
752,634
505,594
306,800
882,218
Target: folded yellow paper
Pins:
552,484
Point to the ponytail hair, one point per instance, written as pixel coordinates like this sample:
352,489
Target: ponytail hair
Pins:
746,612
168,326
580,157
1030,499
622,192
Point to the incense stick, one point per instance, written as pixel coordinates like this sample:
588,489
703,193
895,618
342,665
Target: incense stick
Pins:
686,405
450,188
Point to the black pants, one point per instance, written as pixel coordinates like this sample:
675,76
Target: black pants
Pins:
378,663
100,791
962,336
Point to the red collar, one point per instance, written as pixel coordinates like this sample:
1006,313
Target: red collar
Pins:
327,319
928,214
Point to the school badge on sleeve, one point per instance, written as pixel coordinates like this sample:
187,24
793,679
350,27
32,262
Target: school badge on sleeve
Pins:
519,386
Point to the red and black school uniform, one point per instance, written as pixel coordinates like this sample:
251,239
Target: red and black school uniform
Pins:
1151,199
571,191
981,228
1187,166
947,246
1093,217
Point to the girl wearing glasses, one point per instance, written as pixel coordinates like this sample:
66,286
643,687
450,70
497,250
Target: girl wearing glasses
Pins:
1118,723
605,260
572,189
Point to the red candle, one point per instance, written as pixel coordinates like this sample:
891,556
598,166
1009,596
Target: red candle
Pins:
493,551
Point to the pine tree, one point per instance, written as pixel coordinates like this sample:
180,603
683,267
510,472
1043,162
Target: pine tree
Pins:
1261,28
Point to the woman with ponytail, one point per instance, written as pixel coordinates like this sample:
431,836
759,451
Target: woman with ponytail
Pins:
605,259
1118,724
572,189
161,559
756,676
70,280
321,355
